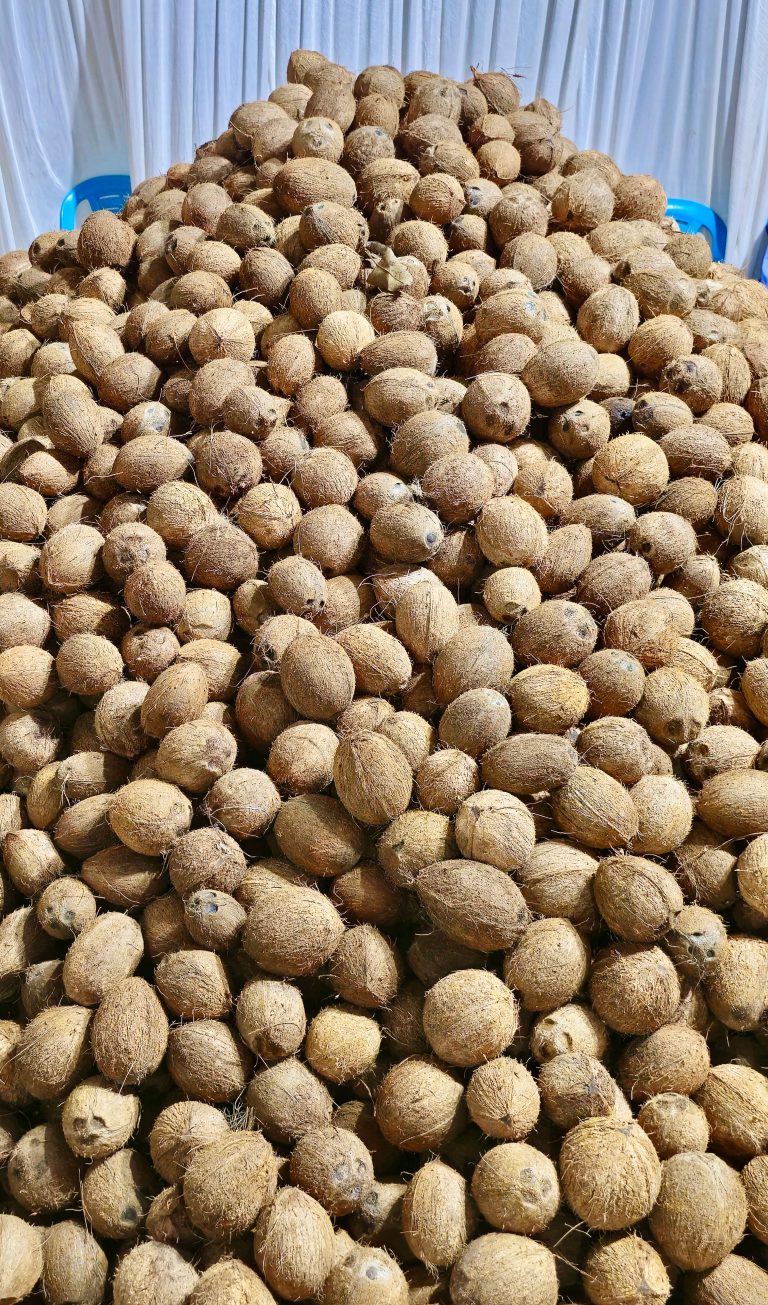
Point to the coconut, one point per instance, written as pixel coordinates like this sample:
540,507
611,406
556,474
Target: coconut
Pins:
732,803
317,834
521,1264
534,763
366,969
129,1033
495,827
419,1106
381,664
672,1059
712,1225
179,1131
241,1162
153,1272
734,1099
66,907
753,1176
496,406
292,929
594,808
116,1194
229,1280
334,1167
301,758
21,1257
74,1265
735,1278
575,1086
705,868
610,1173
634,988
485,1011
294,1244
557,881
629,1265
194,984
42,1173
502,1099
633,468
497,914
147,815
321,687
364,894
97,1120
366,1275
475,721
343,1043
638,899
556,632
193,1052
516,1188
674,1123
413,841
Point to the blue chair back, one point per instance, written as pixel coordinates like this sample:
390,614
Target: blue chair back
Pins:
764,268
100,192
694,217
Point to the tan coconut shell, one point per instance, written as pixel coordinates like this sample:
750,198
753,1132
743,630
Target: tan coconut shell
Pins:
130,1032
357,759
634,988
575,1086
734,1099
97,1120
366,969
343,1043
735,1278
152,1271
637,898
629,1265
294,1244
21,1252
753,1176
472,903
42,1173
194,1049
320,685
533,763
594,808
674,1123
557,881
502,1099
147,815
521,1263
74,1265
484,1009
241,1162
413,841
292,929
610,1173
712,1226
230,1280
116,1194
419,1106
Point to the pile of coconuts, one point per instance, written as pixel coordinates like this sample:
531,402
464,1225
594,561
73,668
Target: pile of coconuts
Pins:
384,736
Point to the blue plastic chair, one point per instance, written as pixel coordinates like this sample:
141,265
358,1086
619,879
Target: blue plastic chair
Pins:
691,216
100,192
764,268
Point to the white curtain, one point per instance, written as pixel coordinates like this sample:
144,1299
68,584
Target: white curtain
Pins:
677,89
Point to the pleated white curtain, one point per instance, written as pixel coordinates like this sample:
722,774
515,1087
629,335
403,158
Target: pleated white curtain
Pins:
676,88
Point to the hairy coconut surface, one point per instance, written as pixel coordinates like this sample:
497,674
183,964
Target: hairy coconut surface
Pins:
383,700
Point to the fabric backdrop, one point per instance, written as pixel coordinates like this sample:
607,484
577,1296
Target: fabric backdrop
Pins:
92,86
